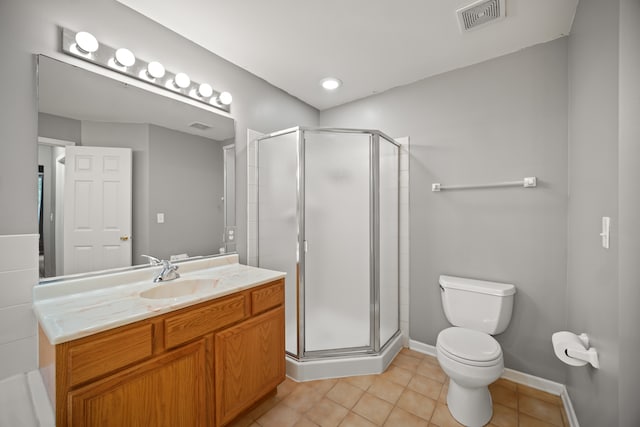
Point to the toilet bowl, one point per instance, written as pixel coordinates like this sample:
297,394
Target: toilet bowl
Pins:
467,352
472,360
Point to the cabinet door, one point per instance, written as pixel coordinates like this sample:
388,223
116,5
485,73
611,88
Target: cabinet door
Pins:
166,391
249,363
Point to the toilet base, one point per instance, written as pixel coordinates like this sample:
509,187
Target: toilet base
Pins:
469,406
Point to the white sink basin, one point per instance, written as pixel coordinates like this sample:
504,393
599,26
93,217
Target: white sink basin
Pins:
180,288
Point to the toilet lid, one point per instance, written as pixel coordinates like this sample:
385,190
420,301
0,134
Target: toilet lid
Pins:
469,345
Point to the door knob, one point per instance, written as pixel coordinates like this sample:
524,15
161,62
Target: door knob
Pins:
124,238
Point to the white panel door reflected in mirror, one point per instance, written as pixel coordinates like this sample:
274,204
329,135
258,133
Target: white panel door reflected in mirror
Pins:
97,209
179,155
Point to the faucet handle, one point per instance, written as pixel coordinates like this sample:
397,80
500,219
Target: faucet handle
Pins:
168,265
152,260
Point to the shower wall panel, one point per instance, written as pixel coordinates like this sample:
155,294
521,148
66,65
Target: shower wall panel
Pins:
337,230
389,203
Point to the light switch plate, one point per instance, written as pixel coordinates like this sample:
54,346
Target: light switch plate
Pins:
160,217
606,224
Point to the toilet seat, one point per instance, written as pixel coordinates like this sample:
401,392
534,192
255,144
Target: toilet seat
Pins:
470,347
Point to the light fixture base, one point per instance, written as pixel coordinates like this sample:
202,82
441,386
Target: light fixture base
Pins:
104,56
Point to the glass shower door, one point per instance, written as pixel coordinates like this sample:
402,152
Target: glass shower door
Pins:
337,228
278,220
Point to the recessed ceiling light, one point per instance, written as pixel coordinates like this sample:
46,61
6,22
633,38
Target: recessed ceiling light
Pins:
331,83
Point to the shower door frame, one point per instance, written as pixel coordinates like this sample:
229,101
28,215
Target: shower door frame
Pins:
375,346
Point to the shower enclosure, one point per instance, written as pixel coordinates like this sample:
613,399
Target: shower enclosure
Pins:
328,216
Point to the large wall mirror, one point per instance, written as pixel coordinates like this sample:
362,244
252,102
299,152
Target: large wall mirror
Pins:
124,172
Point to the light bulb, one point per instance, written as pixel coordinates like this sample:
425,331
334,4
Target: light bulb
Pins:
225,98
182,81
155,70
205,90
331,83
86,42
125,58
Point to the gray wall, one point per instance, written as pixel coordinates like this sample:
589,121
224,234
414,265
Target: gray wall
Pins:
57,127
500,120
185,183
593,193
18,121
136,137
629,212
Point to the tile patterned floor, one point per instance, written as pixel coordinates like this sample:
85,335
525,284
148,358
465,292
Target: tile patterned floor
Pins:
411,393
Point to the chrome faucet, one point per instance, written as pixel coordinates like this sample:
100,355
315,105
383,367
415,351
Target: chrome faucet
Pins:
168,272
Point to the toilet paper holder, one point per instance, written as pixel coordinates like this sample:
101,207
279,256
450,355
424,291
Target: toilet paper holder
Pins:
586,354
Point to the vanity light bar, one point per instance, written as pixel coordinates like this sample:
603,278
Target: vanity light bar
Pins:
86,47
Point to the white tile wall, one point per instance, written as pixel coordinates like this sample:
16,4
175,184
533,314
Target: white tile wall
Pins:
404,238
18,275
16,322
15,287
18,252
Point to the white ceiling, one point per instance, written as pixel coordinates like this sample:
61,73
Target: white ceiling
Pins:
73,92
371,45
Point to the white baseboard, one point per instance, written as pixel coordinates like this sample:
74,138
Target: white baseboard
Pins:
532,381
568,407
422,347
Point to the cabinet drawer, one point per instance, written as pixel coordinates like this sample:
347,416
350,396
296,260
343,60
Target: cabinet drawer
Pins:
200,321
106,354
267,297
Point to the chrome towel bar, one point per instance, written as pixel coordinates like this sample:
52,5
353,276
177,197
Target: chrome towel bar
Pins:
527,182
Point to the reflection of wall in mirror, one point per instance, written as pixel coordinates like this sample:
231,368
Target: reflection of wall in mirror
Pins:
47,161
174,173
51,258
186,184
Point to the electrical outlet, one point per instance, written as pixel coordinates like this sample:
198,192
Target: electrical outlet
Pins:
230,234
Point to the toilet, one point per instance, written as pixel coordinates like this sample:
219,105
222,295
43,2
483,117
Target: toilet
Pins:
467,352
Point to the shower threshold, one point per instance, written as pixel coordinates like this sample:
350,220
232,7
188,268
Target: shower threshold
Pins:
347,366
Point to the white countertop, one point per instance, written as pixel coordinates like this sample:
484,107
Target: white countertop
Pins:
73,309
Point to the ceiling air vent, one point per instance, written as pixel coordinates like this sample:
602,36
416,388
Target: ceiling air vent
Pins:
200,126
480,13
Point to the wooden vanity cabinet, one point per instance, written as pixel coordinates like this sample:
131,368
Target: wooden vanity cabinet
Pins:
200,366
167,391
249,363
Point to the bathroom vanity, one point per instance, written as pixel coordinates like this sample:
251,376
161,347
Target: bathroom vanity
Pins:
197,351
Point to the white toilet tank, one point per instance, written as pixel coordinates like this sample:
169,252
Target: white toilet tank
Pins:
477,304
